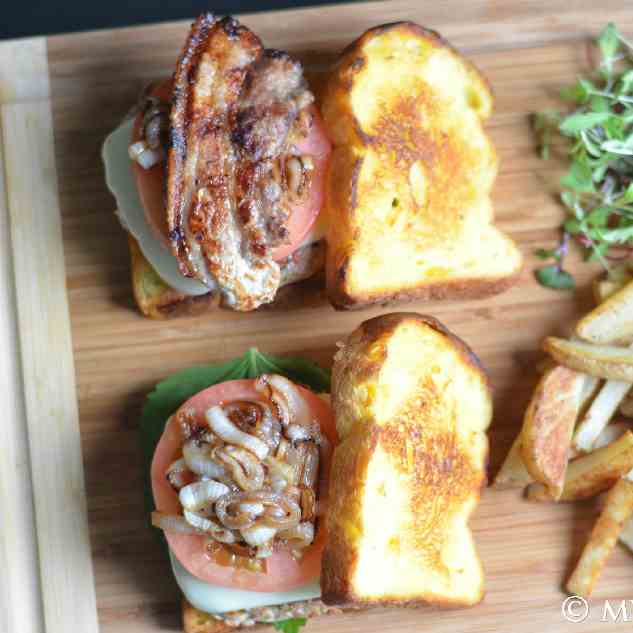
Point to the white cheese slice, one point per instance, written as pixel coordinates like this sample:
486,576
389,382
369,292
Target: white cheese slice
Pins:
121,182
214,599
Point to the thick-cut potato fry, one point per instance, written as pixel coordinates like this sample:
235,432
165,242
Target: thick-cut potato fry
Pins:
544,365
617,509
589,391
603,361
600,413
548,426
626,406
611,433
611,321
593,473
605,286
626,534
513,473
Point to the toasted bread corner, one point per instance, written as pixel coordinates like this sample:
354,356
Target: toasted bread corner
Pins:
412,403
411,174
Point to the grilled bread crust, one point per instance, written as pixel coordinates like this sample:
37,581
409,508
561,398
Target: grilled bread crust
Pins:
412,404
411,174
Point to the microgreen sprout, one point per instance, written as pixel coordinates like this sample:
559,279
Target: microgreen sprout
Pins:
598,188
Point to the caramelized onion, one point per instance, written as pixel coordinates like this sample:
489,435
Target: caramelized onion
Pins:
177,474
226,430
299,536
208,526
155,129
308,504
244,467
280,511
136,149
252,508
198,459
310,466
148,157
258,535
282,470
257,419
200,494
172,523
296,457
234,517
287,399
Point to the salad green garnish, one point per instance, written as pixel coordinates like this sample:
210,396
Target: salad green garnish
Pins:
598,188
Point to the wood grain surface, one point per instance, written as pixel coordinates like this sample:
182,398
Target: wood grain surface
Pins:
46,559
528,50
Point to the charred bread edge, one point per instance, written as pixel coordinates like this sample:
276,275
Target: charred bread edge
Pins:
476,288
371,330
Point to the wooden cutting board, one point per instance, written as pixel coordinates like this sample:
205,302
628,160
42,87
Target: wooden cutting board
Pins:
73,558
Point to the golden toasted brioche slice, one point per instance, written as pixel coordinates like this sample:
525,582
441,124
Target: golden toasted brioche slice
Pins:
158,300
411,173
412,404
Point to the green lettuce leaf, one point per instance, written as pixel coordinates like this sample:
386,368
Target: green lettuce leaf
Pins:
290,626
172,392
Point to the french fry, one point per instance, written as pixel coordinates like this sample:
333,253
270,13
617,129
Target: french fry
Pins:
626,534
617,509
592,473
611,433
606,286
602,361
589,392
600,413
544,365
548,426
626,407
611,321
513,473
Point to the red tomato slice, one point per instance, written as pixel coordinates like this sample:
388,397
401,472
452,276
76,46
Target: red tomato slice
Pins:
283,571
150,183
303,217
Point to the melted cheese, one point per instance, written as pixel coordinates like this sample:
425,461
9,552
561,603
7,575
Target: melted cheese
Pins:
121,182
214,599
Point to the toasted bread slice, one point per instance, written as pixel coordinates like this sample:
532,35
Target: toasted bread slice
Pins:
412,404
158,300
411,174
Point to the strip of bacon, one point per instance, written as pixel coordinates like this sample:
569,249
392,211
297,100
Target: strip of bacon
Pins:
236,108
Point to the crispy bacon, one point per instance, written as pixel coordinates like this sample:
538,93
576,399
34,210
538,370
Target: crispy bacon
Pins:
235,110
